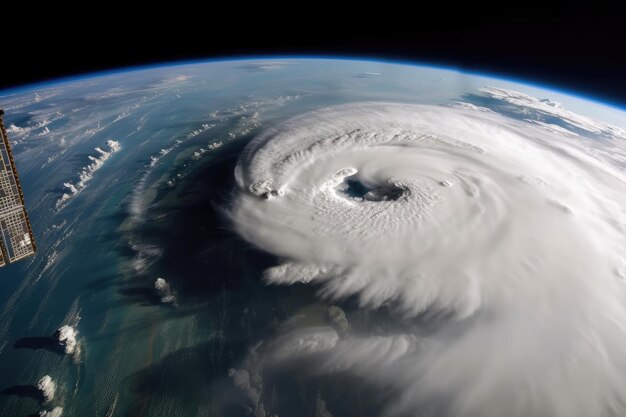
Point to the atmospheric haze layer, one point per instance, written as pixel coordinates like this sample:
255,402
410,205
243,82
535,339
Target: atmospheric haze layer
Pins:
511,233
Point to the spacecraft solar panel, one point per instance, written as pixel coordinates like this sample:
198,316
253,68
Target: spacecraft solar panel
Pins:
15,231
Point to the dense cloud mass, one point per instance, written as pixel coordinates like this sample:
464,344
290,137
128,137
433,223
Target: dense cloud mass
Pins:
514,232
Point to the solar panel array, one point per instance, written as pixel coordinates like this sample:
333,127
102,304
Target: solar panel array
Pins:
16,235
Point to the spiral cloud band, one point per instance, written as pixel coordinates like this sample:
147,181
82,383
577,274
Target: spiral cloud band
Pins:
511,231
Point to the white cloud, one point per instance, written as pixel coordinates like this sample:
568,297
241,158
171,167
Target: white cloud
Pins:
547,107
55,412
535,304
86,173
66,337
165,292
305,342
47,387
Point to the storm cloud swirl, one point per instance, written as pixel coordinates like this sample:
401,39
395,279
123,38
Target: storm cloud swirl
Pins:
513,232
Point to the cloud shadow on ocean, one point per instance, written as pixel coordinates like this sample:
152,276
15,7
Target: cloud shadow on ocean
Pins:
198,377
188,375
140,295
200,253
24,391
41,342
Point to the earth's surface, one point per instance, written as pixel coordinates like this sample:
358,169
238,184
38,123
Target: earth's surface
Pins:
335,238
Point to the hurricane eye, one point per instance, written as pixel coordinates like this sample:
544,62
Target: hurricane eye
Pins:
355,189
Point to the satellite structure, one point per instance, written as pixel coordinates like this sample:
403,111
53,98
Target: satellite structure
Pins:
16,234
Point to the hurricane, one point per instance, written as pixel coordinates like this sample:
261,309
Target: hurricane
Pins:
510,234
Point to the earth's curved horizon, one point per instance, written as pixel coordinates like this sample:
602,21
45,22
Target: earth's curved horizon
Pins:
172,64
323,237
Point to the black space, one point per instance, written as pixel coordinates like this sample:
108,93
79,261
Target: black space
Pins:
575,45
